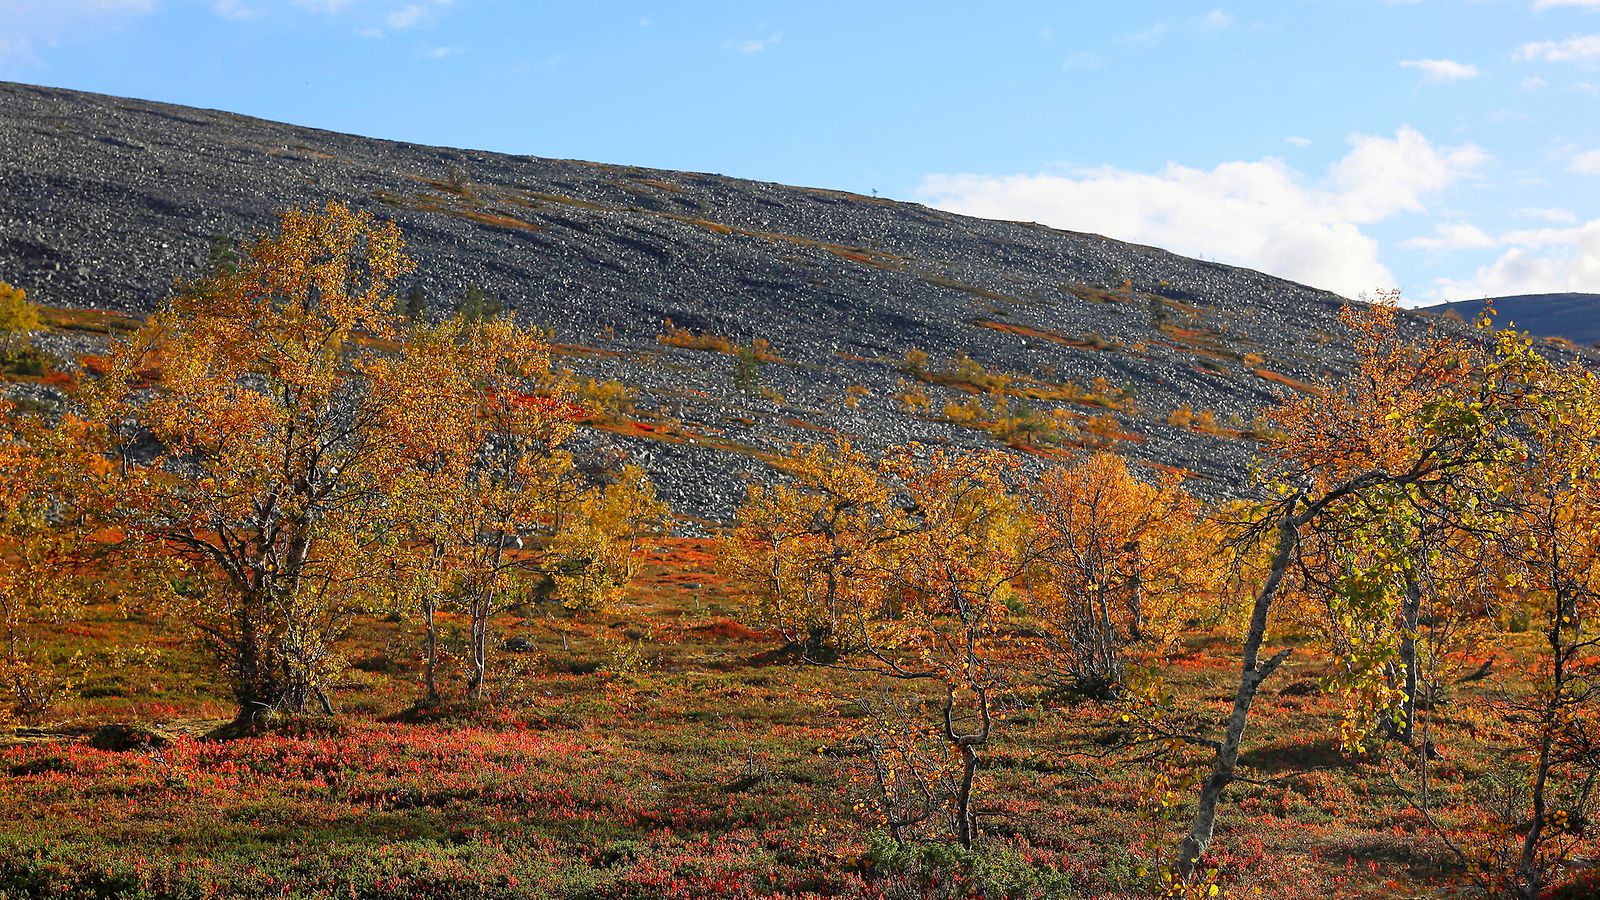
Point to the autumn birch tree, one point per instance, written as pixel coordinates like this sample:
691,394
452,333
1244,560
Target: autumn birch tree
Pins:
809,548
1415,417
493,509
907,565
1548,556
48,558
257,456
1115,560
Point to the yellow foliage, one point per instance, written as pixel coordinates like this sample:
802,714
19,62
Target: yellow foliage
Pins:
807,552
913,397
607,400
18,318
916,362
271,449
678,336
44,553
598,551
1104,428
1117,560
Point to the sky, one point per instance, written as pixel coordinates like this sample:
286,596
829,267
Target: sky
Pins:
1448,148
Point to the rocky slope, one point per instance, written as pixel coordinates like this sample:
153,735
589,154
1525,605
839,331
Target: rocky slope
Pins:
107,202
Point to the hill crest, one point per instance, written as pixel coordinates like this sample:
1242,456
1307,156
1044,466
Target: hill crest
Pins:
1167,359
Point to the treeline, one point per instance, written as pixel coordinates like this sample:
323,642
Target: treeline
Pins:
273,457
1446,493
285,450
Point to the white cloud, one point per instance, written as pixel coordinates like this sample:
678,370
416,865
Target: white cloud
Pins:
756,45
326,7
28,23
1570,262
1261,214
1149,36
1573,49
1208,23
1295,140
1552,4
442,52
1380,176
1082,61
14,52
1213,21
1541,237
399,18
1533,84
1452,236
1442,71
237,10
1587,163
406,17
1547,214
28,11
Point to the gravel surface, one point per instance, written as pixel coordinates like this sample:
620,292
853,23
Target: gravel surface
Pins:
108,202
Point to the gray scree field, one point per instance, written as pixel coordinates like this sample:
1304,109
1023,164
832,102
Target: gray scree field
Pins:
108,202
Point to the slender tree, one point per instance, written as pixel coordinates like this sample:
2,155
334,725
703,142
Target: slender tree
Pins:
19,319
495,512
1548,549
1116,561
1415,418
905,568
808,550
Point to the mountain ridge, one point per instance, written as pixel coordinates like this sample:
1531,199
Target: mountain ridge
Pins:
1573,315
111,201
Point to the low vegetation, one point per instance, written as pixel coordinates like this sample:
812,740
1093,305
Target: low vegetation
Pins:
358,621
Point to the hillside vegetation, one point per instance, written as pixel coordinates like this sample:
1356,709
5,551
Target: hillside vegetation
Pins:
310,591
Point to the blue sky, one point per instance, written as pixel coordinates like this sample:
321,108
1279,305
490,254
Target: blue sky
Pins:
1447,147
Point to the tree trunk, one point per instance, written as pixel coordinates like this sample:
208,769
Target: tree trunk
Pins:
257,689
477,681
1530,877
1136,607
430,653
966,827
1411,614
816,643
1252,673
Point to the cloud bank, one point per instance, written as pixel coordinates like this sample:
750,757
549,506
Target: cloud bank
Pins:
1539,261
1261,214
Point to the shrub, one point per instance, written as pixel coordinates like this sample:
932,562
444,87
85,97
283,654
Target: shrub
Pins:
746,374
19,319
607,400
933,870
916,362
678,336
913,397
1104,427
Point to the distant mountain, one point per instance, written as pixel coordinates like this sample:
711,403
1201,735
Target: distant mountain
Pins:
107,202
1575,317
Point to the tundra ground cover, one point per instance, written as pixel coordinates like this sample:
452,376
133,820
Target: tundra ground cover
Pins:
696,760
980,682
